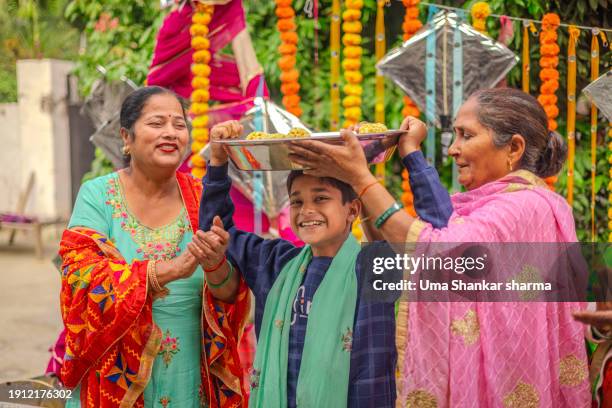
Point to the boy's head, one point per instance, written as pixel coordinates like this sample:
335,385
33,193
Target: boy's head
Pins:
322,211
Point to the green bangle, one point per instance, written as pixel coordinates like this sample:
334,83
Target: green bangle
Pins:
388,213
224,281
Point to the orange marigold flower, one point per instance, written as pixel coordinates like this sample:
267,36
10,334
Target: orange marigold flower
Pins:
410,3
547,99
284,3
201,18
412,26
200,43
411,13
291,100
352,52
549,73
552,124
290,88
202,56
351,64
285,24
353,113
548,37
289,37
198,30
198,172
200,95
480,10
551,111
286,62
351,39
286,49
549,62
354,27
549,49
198,161
285,12
200,82
289,76
200,134
354,4
201,70
351,15
295,110
550,20
549,87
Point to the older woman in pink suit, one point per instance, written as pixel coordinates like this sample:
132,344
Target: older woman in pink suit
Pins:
480,354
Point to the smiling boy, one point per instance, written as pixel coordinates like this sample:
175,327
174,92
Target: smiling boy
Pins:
319,344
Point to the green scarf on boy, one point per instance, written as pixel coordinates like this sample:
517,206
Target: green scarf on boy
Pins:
324,370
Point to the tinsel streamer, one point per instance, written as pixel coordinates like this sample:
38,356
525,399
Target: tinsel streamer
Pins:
200,83
380,49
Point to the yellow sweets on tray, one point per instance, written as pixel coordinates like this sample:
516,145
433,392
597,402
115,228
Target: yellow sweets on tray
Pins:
366,127
293,133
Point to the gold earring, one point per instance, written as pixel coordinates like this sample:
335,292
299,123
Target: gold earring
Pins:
125,150
509,164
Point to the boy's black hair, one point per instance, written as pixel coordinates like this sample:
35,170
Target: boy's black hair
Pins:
348,194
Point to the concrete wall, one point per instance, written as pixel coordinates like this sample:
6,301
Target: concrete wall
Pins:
10,157
44,134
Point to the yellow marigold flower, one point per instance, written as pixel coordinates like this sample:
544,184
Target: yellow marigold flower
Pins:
200,122
200,134
200,43
351,89
198,30
200,83
353,77
610,212
351,15
350,101
354,27
353,113
200,70
201,18
610,225
481,10
196,146
200,95
610,146
199,108
202,56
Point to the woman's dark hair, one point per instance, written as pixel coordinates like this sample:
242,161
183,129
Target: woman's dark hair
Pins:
509,111
133,104
348,194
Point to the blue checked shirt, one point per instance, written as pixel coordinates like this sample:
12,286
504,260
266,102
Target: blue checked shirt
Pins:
260,261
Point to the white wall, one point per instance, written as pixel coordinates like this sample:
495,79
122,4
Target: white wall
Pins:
44,134
10,157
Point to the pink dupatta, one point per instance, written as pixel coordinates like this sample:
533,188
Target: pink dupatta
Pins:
502,354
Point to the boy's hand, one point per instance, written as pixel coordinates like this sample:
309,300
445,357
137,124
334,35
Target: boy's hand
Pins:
231,129
209,247
411,141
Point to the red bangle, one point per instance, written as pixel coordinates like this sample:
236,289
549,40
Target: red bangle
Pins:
216,266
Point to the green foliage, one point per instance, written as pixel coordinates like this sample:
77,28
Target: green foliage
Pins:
120,36
32,29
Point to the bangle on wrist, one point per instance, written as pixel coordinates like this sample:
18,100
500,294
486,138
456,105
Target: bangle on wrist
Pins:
152,278
214,268
395,207
225,280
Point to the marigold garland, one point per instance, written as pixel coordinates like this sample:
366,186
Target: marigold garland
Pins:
549,51
480,11
411,25
352,51
290,86
200,84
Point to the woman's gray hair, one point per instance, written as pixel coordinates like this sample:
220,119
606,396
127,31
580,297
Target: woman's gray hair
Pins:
509,111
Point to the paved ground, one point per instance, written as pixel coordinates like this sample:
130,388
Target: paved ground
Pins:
29,307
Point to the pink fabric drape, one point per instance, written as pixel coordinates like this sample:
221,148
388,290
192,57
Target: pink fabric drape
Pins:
495,354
